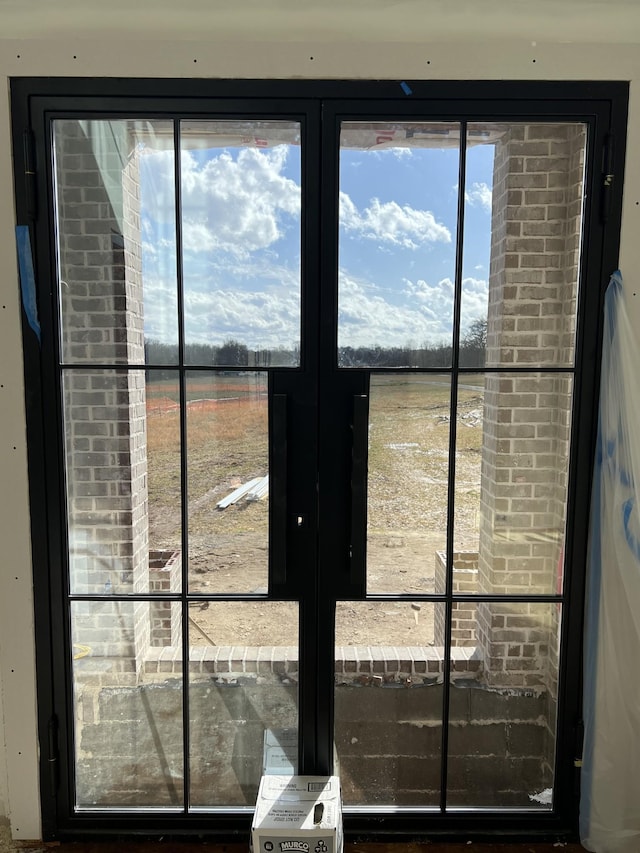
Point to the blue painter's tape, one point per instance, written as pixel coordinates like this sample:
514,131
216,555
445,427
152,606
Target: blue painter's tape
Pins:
406,88
27,277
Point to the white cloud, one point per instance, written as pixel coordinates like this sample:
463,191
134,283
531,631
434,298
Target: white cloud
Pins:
240,283
480,195
389,222
160,309
475,298
260,319
368,320
475,285
235,205
198,236
436,300
268,316
422,313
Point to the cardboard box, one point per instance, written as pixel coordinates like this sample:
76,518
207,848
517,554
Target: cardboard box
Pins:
298,814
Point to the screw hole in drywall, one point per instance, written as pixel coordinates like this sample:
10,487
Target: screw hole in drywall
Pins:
533,60
311,58
428,62
195,60
74,56
18,56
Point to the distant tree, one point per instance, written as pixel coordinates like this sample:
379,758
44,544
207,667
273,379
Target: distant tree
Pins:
476,335
436,355
197,353
473,345
157,352
429,355
232,354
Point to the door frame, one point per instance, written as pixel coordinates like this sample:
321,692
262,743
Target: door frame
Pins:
604,105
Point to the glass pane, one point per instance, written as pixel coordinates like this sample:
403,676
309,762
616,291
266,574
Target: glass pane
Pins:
407,480
388,740
115,220
228,466
398,221
521,434
123,483
502,728
127,691
243,697
241,196
163,480
469,441
523,221
477,248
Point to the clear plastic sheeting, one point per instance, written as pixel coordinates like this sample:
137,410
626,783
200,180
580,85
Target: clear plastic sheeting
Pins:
610,802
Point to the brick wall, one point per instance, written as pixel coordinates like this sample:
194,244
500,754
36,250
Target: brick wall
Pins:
388,740
165,575
99,249
463,613
537,195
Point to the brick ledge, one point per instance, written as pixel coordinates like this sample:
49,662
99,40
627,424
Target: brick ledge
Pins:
283,660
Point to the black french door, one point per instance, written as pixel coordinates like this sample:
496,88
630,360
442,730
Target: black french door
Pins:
310,428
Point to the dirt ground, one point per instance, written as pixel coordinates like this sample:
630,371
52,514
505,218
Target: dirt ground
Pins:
407,508
409,558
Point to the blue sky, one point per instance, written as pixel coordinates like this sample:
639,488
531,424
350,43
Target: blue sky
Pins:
241,241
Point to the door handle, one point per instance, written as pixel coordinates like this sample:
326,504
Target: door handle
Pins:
278,490
359,460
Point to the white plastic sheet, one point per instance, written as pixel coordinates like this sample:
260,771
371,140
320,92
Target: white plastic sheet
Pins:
610,800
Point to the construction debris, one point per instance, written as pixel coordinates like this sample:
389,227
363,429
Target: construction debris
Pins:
238,493
252,490
260,490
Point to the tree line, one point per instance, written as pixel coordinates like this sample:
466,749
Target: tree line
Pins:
233,353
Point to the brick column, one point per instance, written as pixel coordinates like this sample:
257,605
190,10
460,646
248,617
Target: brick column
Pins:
463,613
536,222
98,219
165,568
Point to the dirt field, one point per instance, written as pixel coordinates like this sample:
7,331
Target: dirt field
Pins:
408,468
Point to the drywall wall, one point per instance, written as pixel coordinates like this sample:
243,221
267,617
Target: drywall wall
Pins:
4,793
329,21
18,745
400,41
